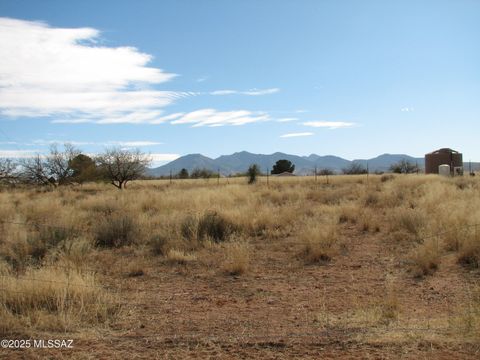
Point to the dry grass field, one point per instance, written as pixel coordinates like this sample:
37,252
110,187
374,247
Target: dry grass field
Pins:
378,267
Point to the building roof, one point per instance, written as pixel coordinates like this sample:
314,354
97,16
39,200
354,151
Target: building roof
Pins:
444,151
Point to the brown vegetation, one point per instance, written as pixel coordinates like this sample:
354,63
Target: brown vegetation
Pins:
358,259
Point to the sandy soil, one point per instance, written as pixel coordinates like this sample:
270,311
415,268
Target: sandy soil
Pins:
281,308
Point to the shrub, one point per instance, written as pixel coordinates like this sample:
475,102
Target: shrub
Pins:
318,243
469,253
179,256
386,178
54,300
425,260
115,231
188,228
237,258
411,220
159,244
215,226
253,171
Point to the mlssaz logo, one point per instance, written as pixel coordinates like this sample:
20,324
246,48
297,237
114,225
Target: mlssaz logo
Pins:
53,344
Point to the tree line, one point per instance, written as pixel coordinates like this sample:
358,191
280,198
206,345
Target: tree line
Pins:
119,166
70,166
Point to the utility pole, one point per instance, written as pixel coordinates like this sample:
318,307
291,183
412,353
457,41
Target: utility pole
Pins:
218,176
170,176
367,172
315,173
267,176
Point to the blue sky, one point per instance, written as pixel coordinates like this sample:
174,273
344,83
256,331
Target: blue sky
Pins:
349,78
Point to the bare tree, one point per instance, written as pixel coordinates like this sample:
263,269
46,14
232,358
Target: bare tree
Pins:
355,169
58,163
404,167
34,171
52,169
8,171
120,166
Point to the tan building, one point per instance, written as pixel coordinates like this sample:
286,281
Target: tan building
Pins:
444,156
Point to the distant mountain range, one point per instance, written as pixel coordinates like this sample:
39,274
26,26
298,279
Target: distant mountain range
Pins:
240,161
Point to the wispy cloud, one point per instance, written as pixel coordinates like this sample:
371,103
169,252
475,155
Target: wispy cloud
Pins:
407,109
202,78
329,124
213,118
133,143
251,92
64,75
139,143
159,159
46,71
300,134
287,119
18,154
197,118
164,157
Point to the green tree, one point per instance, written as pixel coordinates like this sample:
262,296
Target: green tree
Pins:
282,166
252,172
183,174
84,169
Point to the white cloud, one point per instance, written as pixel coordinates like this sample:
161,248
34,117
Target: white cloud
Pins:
159,159
133,143
18,154
128,144
164,157
297,134
407,109
202,78
166,118
329,124
251,92
214,118
287,119
46,71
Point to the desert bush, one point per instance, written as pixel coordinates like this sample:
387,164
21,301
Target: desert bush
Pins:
318,242
469,253
412,221
371,199
22,248
215,226
386,178
189,228
425,260
237,257
54,299
175,256
115,231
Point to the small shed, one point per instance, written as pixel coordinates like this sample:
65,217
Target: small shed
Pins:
444,156
285,173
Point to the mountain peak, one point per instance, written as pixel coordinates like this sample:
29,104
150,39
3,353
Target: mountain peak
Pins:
240,161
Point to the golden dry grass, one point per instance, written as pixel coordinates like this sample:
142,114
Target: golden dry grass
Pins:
200,224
